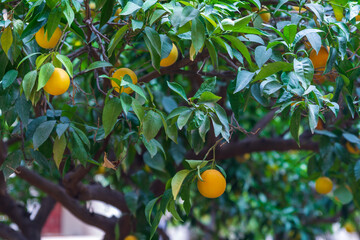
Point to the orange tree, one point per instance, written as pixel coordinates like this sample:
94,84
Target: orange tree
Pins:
138,103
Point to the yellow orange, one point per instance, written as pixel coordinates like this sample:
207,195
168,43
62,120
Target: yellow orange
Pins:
319,60
323,185
352,149
171,59
130,237
42,38
349,227
263,13
58,83
119,74
214,184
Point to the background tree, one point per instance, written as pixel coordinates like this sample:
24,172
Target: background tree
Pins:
160,92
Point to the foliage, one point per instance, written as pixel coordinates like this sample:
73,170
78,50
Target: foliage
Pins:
234,72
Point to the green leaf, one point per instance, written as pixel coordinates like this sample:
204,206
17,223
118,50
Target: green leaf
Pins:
212,51
98,64
29,82
126,101
295,125
290,33
241,47
129,8
172,210
61,128
351,138
178,89
273,68
42,133
111,112
106,12
357,170
148,4
6,40
172,133
78,150
148,209
9,78
69,13
304,69
67,63
45,73
304,33
82,135
313,116
188,13
195,163
53,22
343,194
22,107
58,149
154,39
151,125
243,79
177,181
155,56
208,97
206,86
138,109
262,55
12,161
197,34
115,40
155,223
184,118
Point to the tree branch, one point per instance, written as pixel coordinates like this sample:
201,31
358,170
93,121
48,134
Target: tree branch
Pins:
6,232
249,145
47,205
58,193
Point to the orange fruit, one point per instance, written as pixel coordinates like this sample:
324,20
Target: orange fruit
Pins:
296,8
319,60
323,185
130,237
58,82
352,149
101,170
243,158
171,59
349,227
43,41
119,74
357,18
263,13
214,184
320,125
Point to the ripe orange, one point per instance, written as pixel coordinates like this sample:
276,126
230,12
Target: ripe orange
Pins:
320,125
130,237
357,17
171,59
117,15
352,149
243,158
296,8
319,60
323,185
119,74
349,227
263,13
214,184
42,38
58,83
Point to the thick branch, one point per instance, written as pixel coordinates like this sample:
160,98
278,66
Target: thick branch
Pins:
104,194
47,205
58,193
6,232
250,145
